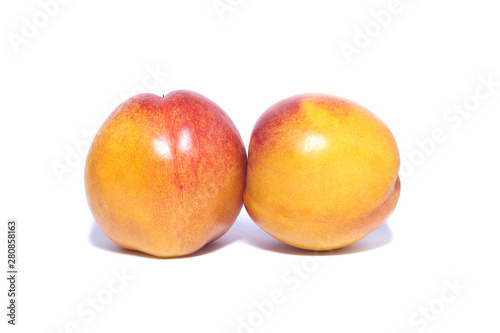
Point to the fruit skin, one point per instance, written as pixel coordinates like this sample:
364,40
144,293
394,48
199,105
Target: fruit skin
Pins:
322,172
165,175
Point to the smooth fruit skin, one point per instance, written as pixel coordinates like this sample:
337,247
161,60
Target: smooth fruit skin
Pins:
322,172
165,175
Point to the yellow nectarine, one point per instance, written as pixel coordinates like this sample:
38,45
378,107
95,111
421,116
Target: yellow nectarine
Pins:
322,172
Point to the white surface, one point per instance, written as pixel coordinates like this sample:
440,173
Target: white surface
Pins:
91,54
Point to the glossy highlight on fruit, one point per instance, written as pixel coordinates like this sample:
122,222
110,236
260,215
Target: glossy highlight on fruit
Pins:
165,175
322,172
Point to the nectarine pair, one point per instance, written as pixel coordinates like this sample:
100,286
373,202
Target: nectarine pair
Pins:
166,175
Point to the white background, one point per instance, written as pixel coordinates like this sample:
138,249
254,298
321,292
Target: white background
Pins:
65,78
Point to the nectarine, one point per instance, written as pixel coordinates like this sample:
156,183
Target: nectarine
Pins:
165,175
322,172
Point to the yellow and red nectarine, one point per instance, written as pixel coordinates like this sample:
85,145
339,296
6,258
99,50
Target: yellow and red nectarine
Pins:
322,172
165,175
